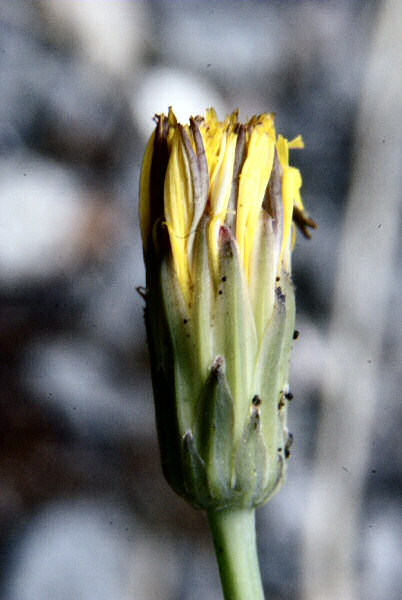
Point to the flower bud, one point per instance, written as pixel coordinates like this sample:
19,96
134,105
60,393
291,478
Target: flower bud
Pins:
218,202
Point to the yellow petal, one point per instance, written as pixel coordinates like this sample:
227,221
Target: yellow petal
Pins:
178,210
291,183
296,144
253,182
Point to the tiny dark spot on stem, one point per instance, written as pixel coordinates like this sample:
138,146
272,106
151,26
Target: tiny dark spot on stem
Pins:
278,278
220,292
296,334
289,396
185,321
224,278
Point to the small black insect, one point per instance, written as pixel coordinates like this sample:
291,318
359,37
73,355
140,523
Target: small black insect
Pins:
256,401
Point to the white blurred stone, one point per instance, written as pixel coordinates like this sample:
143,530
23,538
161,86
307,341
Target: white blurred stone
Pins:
90,550
308,357
155,573
161,87
71,551
42,218
381,549
111,35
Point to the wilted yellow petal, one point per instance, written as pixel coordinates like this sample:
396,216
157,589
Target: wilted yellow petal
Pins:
228,162
282,147
178,199
220,189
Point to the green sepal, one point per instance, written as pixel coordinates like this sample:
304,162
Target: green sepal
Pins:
275,480
288,291
251,462
186,379
213,429
162,371
203,301
263,272
234,327
194,473
267,374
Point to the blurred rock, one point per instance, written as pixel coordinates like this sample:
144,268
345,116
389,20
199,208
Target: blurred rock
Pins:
278,530
380,552
75,377
92,550
113,309
308,355
161,87
36,460
231,45
110,35
47,222
53,100
156,569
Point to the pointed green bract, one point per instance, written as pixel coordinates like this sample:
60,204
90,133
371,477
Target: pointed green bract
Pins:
214,431
184,366
236,338
251,462
203,301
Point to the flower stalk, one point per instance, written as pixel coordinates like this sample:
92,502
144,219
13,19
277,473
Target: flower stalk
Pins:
218,204
233,533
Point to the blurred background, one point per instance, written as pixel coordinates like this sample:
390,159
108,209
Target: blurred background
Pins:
85,512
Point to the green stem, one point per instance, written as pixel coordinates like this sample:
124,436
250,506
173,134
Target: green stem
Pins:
233,532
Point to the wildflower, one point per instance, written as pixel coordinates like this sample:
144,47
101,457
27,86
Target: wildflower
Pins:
218,206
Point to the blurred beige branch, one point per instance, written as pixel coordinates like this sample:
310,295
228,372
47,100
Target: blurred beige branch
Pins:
351,382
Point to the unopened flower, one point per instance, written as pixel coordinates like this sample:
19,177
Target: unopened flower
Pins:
218,203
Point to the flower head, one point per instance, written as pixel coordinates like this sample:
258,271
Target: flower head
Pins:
218,202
